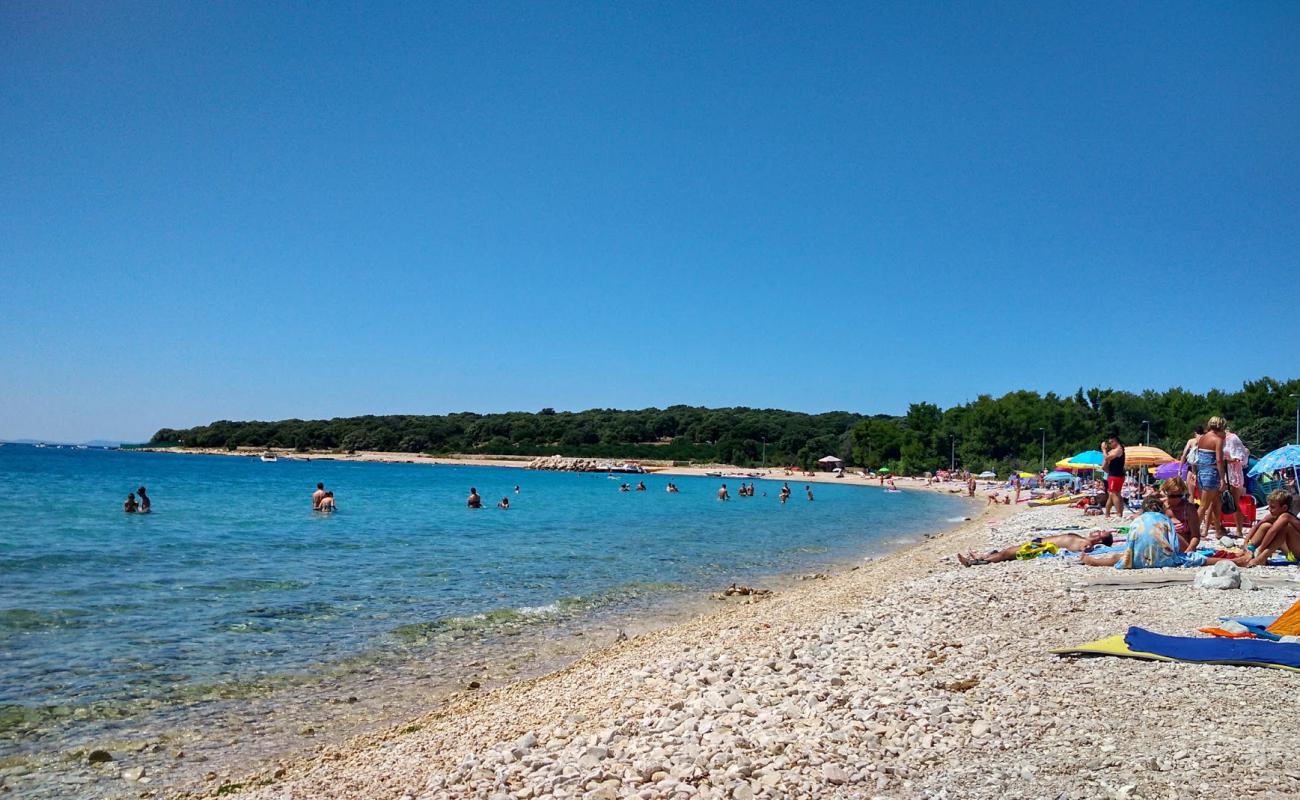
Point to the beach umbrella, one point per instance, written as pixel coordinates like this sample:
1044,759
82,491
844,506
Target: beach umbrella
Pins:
1174,469
1285,457
829,460
1143,456
883,470
1088,459
1025,474
1059,476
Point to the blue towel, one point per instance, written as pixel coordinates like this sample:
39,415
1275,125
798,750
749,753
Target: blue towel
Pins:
1214,650
1263,621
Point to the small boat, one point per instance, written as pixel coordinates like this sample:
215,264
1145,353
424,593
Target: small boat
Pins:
269,456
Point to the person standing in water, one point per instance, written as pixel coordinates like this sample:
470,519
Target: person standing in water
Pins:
327,503
808,489
317,496
474,500
144,501
130,506
722,493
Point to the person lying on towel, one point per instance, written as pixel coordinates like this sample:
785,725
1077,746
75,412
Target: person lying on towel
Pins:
1153,542
1280,531
1050,545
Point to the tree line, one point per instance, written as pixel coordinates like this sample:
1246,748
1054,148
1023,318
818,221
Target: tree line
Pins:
1018,430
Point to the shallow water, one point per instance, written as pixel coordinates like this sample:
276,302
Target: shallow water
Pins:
233,588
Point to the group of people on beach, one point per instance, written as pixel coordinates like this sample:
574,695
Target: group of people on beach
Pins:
1179,522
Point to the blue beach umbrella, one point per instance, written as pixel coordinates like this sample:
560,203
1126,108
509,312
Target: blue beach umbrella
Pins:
1084,460
1059,476
1285,457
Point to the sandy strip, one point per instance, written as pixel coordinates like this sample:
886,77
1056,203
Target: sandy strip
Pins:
907,677
852,478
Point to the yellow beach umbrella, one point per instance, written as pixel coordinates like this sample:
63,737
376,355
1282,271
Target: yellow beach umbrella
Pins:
1143,456
1068,464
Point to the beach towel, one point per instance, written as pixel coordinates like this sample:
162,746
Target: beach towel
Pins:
1289,623
1143,644
1227,634
1259,622
1030,550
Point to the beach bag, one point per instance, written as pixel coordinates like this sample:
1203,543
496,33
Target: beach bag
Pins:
1227,503
1247,508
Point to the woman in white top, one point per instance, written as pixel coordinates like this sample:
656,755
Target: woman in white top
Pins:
1236,455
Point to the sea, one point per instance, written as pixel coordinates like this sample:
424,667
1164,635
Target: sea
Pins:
234,624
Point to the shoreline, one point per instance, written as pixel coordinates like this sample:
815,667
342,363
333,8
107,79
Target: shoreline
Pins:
908,676
682,615
521,463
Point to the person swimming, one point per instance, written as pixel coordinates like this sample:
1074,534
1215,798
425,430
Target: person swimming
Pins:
624,487
145,505
640,486
474,501
130,505
505,503
516,488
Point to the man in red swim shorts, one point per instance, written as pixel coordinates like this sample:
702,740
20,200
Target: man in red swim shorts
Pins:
1114,467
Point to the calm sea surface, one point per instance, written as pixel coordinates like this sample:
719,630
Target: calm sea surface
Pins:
233,583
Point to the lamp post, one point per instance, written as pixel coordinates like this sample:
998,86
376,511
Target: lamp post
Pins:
952,455
1042,454
764,452
1147,423
1296,397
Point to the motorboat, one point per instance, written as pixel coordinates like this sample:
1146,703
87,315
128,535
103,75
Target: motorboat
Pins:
269,456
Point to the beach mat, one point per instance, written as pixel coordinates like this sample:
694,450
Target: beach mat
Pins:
1128,579
1143,644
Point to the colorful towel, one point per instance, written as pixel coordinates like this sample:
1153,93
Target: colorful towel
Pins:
1247,652
1289,623
1144,644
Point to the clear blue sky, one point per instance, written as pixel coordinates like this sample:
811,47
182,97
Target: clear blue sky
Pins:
263,210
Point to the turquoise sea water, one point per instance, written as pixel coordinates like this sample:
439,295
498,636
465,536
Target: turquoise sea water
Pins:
234,582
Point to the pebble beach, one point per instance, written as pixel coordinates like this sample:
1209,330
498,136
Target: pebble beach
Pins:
907,676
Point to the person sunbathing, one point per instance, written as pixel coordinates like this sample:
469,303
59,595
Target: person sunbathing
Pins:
1071,542
1280,532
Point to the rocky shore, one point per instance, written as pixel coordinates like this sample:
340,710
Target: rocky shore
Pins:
905,677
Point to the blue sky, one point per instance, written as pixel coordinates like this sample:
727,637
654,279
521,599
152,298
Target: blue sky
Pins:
250,210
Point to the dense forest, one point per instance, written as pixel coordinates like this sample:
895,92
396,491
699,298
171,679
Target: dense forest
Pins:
998,433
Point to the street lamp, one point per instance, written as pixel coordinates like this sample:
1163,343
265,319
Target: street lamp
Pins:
1042,455
952,456
1296,397
1147,423
764,452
